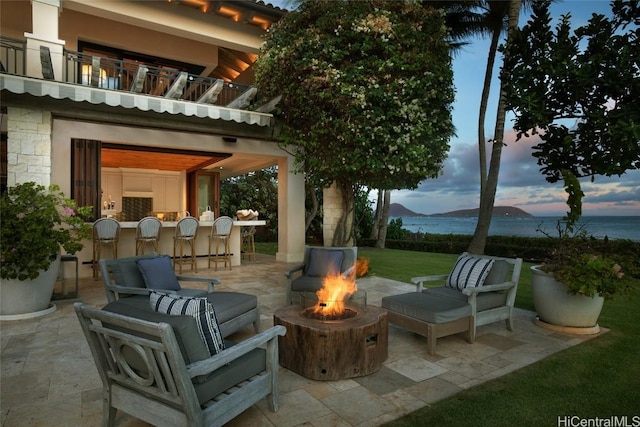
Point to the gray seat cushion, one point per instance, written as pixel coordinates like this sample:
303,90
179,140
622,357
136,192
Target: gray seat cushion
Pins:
229,305
244,367
499,273
484,300
184,327
349,257
323,262
307,284
427,308
126,272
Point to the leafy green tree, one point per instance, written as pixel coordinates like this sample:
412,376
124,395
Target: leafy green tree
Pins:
578,91
364,216
395,230
366,89
256,190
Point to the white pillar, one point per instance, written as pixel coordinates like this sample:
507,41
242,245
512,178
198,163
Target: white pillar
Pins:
291,212
44,19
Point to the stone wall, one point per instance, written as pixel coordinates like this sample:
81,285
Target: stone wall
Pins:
331,214
28,146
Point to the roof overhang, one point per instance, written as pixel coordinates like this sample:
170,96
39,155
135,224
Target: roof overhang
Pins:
18,85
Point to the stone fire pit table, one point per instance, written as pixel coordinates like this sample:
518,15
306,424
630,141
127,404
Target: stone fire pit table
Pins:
333,349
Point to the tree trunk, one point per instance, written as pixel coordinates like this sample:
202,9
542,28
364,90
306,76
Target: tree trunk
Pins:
314,208
382,234
375,230
488,195
484,100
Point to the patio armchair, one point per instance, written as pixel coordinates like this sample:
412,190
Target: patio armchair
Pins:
123,277
128,291
479,290
163,373
318,262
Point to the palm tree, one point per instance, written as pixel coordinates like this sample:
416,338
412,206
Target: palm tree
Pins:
493,21
489,181
486,18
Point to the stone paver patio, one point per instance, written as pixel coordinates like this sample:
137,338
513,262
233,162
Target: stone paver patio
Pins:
48,377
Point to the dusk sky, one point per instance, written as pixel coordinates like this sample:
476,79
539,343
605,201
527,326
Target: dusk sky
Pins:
520,182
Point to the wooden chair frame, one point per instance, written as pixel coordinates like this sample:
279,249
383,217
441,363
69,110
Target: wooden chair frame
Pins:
433,331
163,394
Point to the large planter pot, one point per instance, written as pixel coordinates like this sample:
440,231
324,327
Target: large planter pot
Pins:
555,306
29,298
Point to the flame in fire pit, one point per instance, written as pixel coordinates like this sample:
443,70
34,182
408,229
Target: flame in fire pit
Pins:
336,288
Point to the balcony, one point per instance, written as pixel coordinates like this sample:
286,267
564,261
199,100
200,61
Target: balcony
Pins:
138,84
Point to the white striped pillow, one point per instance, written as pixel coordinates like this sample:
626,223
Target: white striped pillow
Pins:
469,272
200,308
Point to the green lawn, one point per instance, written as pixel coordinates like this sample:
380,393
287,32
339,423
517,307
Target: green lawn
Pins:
599,378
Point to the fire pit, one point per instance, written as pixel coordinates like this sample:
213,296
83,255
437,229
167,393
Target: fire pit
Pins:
333,335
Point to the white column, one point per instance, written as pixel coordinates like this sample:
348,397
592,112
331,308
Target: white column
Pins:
44,19
291,212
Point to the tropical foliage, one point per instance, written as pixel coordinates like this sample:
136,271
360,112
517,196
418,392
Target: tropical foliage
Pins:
258,191
578,91
37,222
366,89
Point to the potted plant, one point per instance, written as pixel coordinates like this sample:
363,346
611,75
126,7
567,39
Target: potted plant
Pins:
578,274
569,288
585,116
37,223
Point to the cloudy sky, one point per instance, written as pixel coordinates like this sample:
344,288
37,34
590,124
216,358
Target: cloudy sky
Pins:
520,182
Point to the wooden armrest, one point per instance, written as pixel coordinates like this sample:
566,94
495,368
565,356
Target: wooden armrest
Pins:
211,281
127,290
489,288
293,270
206,366
418,281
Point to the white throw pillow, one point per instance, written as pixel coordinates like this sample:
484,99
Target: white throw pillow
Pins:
469,272
200,308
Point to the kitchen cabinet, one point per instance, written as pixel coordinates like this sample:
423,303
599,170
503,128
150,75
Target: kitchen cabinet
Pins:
111,184
165,187
167,193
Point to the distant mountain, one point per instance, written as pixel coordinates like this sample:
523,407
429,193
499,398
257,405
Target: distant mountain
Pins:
396,209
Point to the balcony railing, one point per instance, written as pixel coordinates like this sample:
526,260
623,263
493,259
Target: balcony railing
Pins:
120,75
12,57
114,74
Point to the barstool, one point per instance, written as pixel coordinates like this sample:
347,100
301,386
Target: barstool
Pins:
106,231
220,233
186,231
148,231
248,243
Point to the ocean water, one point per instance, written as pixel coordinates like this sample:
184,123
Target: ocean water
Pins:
614,227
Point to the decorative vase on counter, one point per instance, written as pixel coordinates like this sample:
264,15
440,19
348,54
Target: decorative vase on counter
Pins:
23,299
555,307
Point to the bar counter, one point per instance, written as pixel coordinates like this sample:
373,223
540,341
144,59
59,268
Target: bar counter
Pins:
127,242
